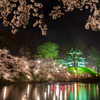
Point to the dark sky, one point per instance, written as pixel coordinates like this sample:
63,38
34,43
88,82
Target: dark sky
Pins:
68,28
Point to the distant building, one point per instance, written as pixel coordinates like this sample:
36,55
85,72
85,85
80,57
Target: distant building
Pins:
80,63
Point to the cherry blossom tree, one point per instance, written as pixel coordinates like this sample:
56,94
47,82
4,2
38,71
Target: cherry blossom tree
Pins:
46,67
40,69
11,66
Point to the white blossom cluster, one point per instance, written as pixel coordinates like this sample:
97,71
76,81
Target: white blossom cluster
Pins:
21,10
21,14
49,65
56,12
94,21
70,5
11,66
42,64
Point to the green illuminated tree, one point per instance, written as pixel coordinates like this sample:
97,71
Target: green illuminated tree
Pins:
48,50
73,56
94,55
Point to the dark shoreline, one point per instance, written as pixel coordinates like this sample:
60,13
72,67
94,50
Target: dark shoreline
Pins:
33,82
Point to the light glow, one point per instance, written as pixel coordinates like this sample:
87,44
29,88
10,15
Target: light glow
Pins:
6,75
60,65
38,61
36,71
75,71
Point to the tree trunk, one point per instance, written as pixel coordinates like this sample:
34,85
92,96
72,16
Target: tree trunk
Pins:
75,70
98,72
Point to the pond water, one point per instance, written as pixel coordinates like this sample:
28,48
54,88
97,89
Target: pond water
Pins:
51,91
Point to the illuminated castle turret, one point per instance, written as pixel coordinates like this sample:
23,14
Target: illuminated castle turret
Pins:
79,63
73,59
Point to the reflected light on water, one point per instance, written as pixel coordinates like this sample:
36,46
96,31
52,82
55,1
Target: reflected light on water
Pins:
26,94
61,95
97,91
89,87
5,91
28,90
72,88
38,97
24,97
54,97
65,93
45,95
75,91
68,89
48,90
57,91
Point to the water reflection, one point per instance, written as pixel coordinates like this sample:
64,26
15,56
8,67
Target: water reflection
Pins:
5,90
50,91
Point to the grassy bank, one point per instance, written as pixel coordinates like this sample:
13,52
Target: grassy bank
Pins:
83,70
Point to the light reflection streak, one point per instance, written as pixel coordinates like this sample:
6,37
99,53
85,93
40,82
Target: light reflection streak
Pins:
89,87
26,94
54,97
28,90
72,89
68,89
35,93
45,94
24,97
75,91
57,91
5,91
97,91
48,90
38,97
61,95
65,93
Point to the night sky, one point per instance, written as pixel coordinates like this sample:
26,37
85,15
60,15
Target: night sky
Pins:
69,28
